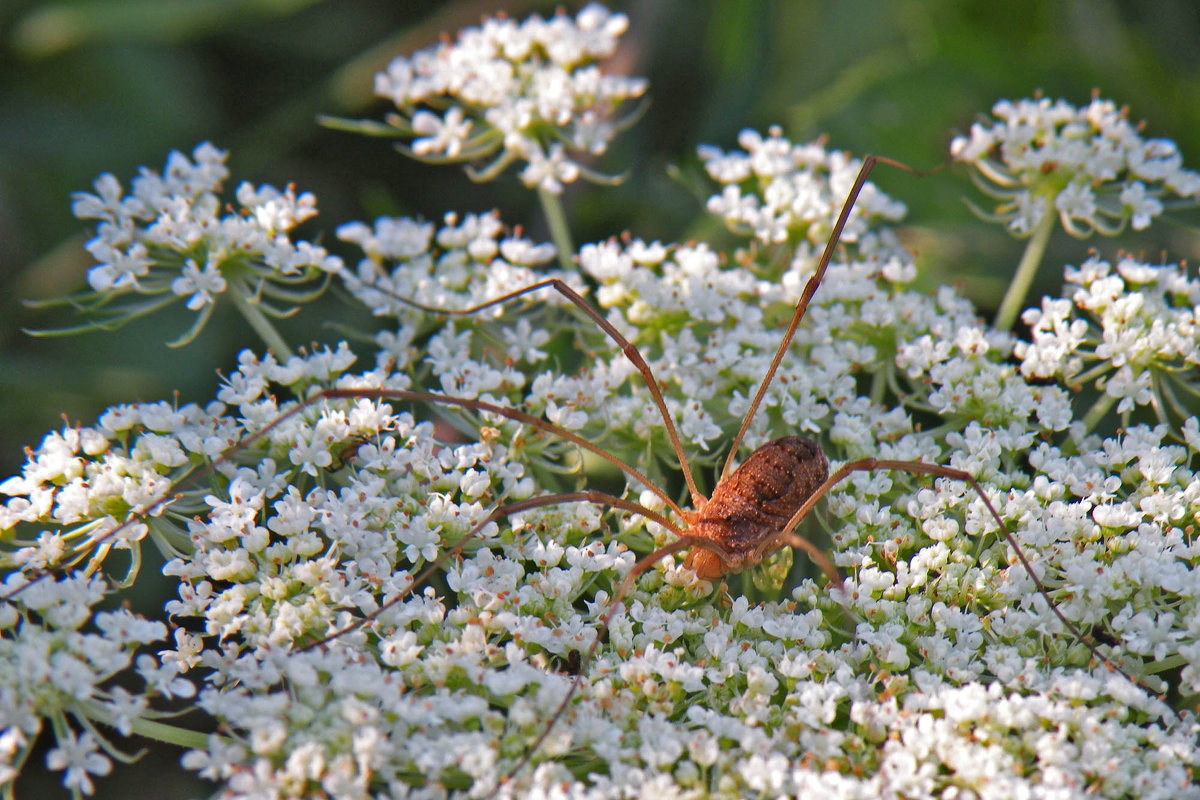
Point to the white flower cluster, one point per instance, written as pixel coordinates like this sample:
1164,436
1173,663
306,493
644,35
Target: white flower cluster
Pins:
409,266
298,532
1134,330
173,235
778,191
463,263
453,684
1088,165
58,659
525,92
136,464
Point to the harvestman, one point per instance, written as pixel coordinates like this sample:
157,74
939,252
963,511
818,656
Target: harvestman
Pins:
753,511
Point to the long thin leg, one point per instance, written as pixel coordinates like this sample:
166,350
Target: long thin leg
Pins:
503,411
681,543
787,535
806,296
627,347
599,498
173,491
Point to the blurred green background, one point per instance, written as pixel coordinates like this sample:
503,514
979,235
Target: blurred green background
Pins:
110,85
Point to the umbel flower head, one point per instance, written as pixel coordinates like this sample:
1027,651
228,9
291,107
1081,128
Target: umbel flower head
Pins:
1088,165
172,237
368,606
1131,328
953,675
780,192
526,92
464,262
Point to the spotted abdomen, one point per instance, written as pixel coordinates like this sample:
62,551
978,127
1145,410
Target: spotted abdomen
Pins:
756,501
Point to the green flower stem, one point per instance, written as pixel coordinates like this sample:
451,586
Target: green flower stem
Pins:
560,234
158,731
1014,299
1097,412
259,322
170,734
1163,665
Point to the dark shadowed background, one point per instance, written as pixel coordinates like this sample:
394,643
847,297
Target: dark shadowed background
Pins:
110,85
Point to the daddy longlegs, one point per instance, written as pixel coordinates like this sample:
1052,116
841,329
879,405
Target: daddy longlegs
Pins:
754,509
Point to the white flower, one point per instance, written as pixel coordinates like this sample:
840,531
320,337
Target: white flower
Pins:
400,650
1142,208
421,541
796,194
524,342
1091,161
153,241
444,135
565,416
120,268
528,90
1076,202
548,171
526,253
80,759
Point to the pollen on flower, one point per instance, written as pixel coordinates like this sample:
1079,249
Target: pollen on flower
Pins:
510,91
173,234
1091,161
